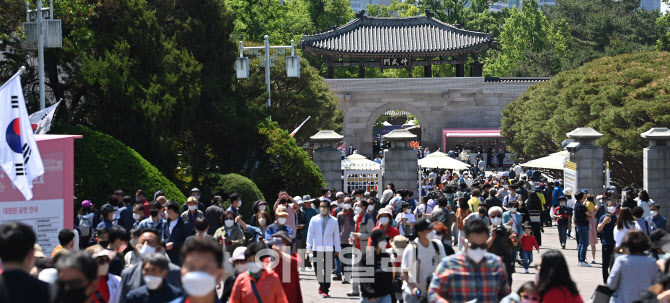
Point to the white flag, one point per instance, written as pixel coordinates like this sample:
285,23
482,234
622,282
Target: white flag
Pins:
41,120
19,156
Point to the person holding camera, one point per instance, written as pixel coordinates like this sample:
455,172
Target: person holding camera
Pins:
503,241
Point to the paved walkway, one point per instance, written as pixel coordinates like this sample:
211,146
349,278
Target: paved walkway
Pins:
586,278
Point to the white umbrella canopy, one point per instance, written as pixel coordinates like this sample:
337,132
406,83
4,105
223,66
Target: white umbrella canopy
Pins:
358,162
553,161
442,161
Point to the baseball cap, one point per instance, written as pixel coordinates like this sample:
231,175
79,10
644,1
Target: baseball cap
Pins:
238,254
584,190
281,214
106,209
422,224
297,199
86,203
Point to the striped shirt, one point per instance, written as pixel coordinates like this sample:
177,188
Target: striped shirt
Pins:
458,279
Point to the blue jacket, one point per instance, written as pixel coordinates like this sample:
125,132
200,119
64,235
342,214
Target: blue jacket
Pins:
508,216
126,217
142,294
557,193
274,227
178,236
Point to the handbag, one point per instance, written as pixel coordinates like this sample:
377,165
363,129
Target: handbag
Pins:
602,294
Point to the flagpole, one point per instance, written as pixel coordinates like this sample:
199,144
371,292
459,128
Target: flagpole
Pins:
23,69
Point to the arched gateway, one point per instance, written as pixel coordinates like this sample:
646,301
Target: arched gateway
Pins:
438,103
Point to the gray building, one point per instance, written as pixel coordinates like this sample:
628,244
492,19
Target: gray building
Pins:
498,6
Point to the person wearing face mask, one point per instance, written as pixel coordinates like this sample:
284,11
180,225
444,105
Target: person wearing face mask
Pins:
77,280
18,254
138,214
384,223
376,260
364,226
108,289
213,215
419,261
192,213
658,221
126,213
553,280
240,264
481,214
235,204
347,224
513,219
285,201
195,193
202,269
503,241
561,214
108,213
323,240
308,212
606,226
372,210
140,197
257,232
279,224
458,278
133,257
406,220
660,244
258,206
153,221
162,201
229,234
257,284
175,231
156,289
149,242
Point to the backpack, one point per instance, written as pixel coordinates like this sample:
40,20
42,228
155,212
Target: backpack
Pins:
435,259
85,227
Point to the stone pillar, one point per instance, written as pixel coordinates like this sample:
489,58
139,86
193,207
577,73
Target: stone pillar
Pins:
400,162
589,159
327,157
656,167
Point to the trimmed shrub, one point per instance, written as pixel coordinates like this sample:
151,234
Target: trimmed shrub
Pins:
103,164
234,183
284,166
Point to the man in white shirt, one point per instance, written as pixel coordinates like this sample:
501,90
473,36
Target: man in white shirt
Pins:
323,238
415,271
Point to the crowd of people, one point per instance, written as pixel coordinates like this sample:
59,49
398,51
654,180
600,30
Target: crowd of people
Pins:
390,248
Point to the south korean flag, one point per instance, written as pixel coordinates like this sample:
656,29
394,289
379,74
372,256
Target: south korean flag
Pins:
19,156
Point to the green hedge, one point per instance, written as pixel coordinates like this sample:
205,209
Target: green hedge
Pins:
229,184
102,164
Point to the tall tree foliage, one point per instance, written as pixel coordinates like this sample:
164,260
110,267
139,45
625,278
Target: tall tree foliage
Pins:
620,96
526,32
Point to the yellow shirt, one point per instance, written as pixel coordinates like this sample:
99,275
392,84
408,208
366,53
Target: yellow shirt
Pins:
474,204
59,247
590,206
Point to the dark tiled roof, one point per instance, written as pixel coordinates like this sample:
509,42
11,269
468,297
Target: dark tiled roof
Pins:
411,36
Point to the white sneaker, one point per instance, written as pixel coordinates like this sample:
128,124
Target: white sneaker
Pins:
584,264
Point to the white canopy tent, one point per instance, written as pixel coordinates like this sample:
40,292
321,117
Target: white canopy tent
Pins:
442,161
553,161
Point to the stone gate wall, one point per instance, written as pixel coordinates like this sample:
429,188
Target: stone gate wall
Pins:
470,102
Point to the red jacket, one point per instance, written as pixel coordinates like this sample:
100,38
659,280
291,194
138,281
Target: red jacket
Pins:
391,232
528,242
268,285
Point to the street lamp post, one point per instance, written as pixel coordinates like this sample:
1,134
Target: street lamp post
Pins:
41,30
292,63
